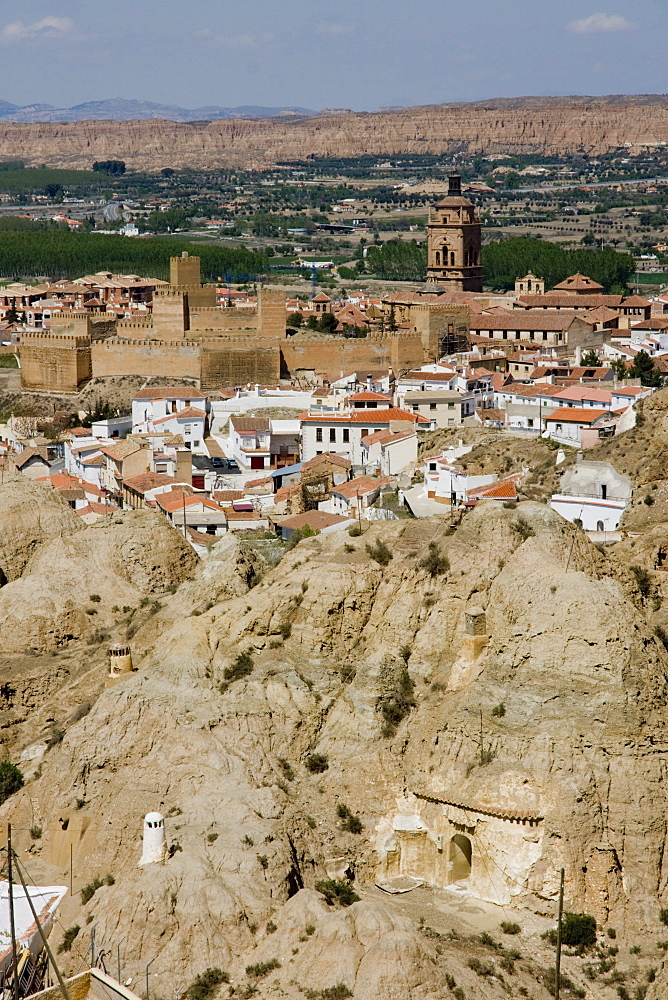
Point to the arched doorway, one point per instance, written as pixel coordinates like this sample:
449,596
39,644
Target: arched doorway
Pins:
460,858
600,526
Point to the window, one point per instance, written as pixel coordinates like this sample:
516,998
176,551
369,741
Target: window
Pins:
604,492
365,431
599,526
318,434
432,406
346,435
451,406
332,434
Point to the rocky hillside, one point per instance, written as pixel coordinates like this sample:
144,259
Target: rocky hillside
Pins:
540,126
360,712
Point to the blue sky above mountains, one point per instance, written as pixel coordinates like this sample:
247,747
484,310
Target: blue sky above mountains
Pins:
359,54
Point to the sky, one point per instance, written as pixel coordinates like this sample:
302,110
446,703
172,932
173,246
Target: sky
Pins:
357,54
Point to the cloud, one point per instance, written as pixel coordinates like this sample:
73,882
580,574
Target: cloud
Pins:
48,27
334,28
597,23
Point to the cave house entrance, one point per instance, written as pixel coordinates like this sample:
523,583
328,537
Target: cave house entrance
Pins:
459,858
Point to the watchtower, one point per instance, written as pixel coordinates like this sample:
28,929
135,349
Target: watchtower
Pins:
454,241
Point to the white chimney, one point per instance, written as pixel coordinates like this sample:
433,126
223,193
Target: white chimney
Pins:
155,842
369,384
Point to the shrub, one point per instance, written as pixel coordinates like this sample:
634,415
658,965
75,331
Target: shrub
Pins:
89,890
499,711
35,832
523,528
612,933
355,531
68,938
316,763
379,552
663,915
11,779
508,927
205,984
264,861
271,927
578,930
248,840
649,500
212,837
285,630
337,891
338,992
95,598
643,580
262,968
351,822
240,667
311,822
482,968
287,769
397,701
435,563
297,536
56,736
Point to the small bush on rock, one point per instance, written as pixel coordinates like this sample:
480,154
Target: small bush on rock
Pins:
337,891
316,763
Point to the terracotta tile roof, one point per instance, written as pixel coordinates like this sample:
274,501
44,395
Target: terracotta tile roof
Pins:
243,515
502,489
169,392
530,391
120,450
29,453
369,397
492,414
525,320
321,297
386,437
286,491
227,496
569,302
579,283
327,456
577,415
176,499
267,480
250,424
148,481
78,432
578,392
96,508
361,485
314,519
188,413
364,417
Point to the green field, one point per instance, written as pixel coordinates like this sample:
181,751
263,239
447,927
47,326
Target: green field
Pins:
35,179
642,278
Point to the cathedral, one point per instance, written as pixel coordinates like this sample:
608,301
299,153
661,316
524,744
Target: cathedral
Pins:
454,242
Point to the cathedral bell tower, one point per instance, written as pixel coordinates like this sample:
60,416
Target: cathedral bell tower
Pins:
454,241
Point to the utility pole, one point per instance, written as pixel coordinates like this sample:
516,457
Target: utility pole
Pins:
41,933
147,968
557,981
118,956
359,512
12,927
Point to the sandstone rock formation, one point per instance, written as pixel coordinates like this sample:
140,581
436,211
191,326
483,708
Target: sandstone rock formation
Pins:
52,563
530,617
542,126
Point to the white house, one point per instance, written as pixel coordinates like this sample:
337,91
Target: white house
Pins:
189,423
342,434
353,497
389,451
154,402
593,494
579,427
264,443
444,481
84,459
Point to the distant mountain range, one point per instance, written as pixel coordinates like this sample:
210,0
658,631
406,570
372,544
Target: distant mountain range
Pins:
119,110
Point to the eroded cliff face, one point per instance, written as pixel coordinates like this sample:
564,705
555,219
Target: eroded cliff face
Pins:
551,128
530,616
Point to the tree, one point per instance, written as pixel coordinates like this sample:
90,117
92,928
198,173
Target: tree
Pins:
619,368
12,316
328,323
591,359
11,779
643,368
513,180
114,168
295,319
